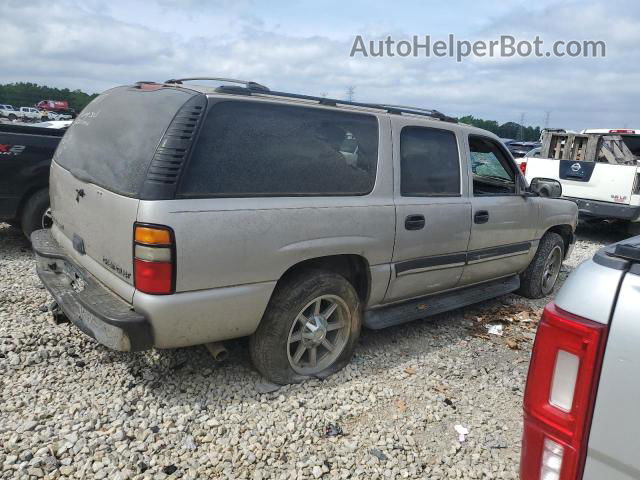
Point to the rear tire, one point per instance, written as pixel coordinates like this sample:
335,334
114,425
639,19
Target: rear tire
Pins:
541,275
294,325
34,215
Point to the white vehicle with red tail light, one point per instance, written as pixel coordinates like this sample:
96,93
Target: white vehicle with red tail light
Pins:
598,169
581,413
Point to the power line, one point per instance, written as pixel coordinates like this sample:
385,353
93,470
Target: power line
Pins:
351,91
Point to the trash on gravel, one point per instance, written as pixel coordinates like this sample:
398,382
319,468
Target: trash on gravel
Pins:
462,432
410,370
512,344
333,430
494,329
169,469
190,443
378,454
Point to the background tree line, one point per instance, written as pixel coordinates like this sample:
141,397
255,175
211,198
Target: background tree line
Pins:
26,94
506,130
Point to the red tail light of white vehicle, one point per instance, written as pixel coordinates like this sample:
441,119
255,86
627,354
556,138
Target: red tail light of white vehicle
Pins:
560,395
523,167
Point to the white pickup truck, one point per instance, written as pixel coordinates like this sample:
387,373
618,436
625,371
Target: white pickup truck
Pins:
7,111
30,114
599,170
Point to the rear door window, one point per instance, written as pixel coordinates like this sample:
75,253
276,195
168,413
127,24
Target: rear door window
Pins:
429,162
260,149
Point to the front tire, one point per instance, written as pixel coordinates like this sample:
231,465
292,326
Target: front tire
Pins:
309,330
541,275
36,213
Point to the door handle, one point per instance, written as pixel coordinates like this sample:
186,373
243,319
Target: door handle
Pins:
414,222
481,216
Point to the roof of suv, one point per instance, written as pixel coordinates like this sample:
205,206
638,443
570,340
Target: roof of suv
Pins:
249,88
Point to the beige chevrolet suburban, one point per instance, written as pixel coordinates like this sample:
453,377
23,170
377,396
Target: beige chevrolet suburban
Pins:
187,214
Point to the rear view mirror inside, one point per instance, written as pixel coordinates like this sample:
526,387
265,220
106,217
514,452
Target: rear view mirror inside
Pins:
546,187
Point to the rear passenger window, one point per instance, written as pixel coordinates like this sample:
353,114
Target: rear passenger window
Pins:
259,149
429,162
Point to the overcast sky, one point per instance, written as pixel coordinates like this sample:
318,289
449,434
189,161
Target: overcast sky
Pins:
304,46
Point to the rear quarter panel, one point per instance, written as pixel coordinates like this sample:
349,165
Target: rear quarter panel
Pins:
227,242
613,441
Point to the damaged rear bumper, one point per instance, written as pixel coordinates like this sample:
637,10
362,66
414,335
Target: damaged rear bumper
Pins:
86,302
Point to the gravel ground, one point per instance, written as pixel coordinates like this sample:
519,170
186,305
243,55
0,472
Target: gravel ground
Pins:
71,408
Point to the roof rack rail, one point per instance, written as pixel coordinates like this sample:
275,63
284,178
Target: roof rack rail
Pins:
424,111
255,87
249,84
397,109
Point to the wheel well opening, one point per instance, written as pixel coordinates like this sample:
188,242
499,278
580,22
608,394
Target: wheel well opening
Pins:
26,197
354,268
565,231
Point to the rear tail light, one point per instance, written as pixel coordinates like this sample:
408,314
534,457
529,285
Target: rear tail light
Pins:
154,259
622,130
523,167
560,395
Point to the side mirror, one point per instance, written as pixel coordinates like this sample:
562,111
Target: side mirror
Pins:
546,187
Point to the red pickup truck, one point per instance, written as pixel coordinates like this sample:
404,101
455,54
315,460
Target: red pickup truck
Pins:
53,105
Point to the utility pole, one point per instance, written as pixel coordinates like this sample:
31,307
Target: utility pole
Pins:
547,117
521,129
351,91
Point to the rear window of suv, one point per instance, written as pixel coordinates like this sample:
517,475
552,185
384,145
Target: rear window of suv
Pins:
113,140
260,149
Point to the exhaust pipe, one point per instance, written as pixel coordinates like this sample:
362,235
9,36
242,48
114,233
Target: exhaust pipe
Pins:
217,351
57,315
